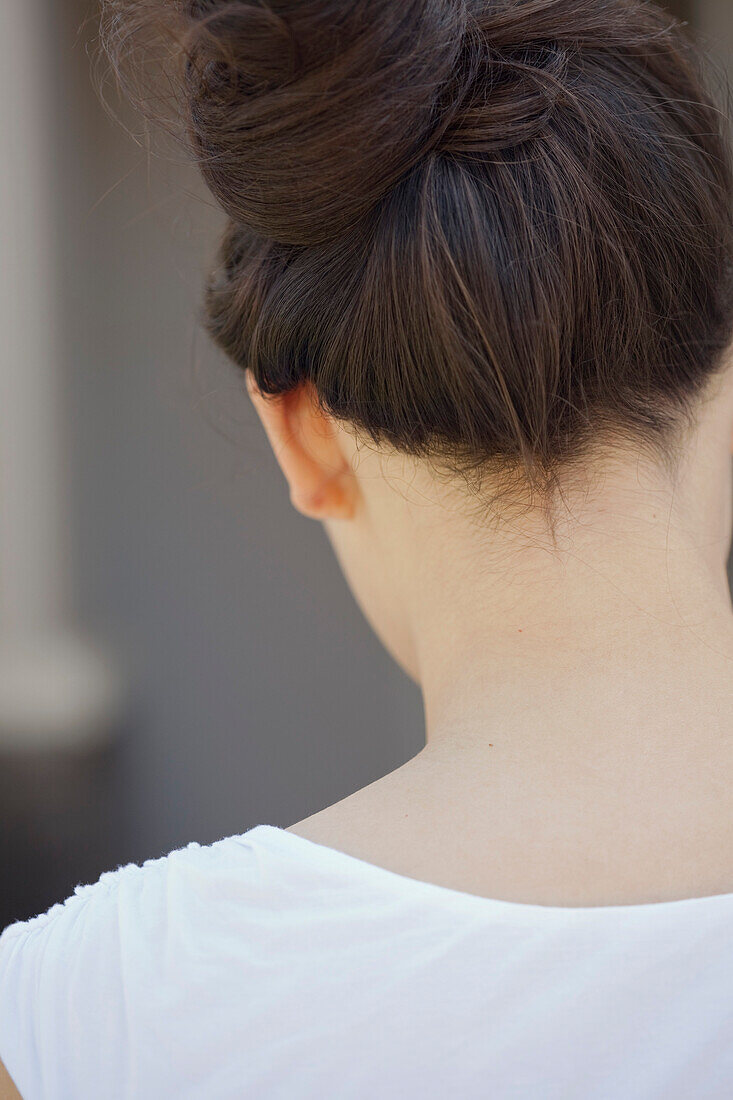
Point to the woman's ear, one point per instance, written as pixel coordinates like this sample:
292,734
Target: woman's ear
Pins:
305,442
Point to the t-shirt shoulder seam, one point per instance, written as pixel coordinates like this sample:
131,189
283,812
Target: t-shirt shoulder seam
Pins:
107,882
75,901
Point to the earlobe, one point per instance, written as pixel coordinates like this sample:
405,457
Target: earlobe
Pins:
305,443
332,501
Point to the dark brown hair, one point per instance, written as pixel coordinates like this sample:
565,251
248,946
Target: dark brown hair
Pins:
494,232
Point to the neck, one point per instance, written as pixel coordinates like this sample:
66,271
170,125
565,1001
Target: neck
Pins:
577,695
621,630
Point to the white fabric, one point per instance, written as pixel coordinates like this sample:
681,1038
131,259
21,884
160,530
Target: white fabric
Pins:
271,967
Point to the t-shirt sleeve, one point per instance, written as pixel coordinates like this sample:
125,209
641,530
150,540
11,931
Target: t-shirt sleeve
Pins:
103,995
62,984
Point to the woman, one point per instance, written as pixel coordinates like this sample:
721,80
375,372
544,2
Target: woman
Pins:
478,278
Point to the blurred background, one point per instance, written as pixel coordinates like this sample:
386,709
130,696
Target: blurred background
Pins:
180,658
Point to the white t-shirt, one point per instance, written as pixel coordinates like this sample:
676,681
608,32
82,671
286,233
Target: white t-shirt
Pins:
267,966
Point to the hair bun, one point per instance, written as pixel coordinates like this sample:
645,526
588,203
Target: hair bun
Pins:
303,112
548,263
520,60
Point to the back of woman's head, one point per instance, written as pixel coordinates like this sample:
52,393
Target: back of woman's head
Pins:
496,233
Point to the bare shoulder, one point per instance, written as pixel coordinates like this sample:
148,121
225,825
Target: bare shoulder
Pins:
446,830
8,1090
368,815
344,825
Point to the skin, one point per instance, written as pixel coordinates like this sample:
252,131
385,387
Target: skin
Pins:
578,696
8,1090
